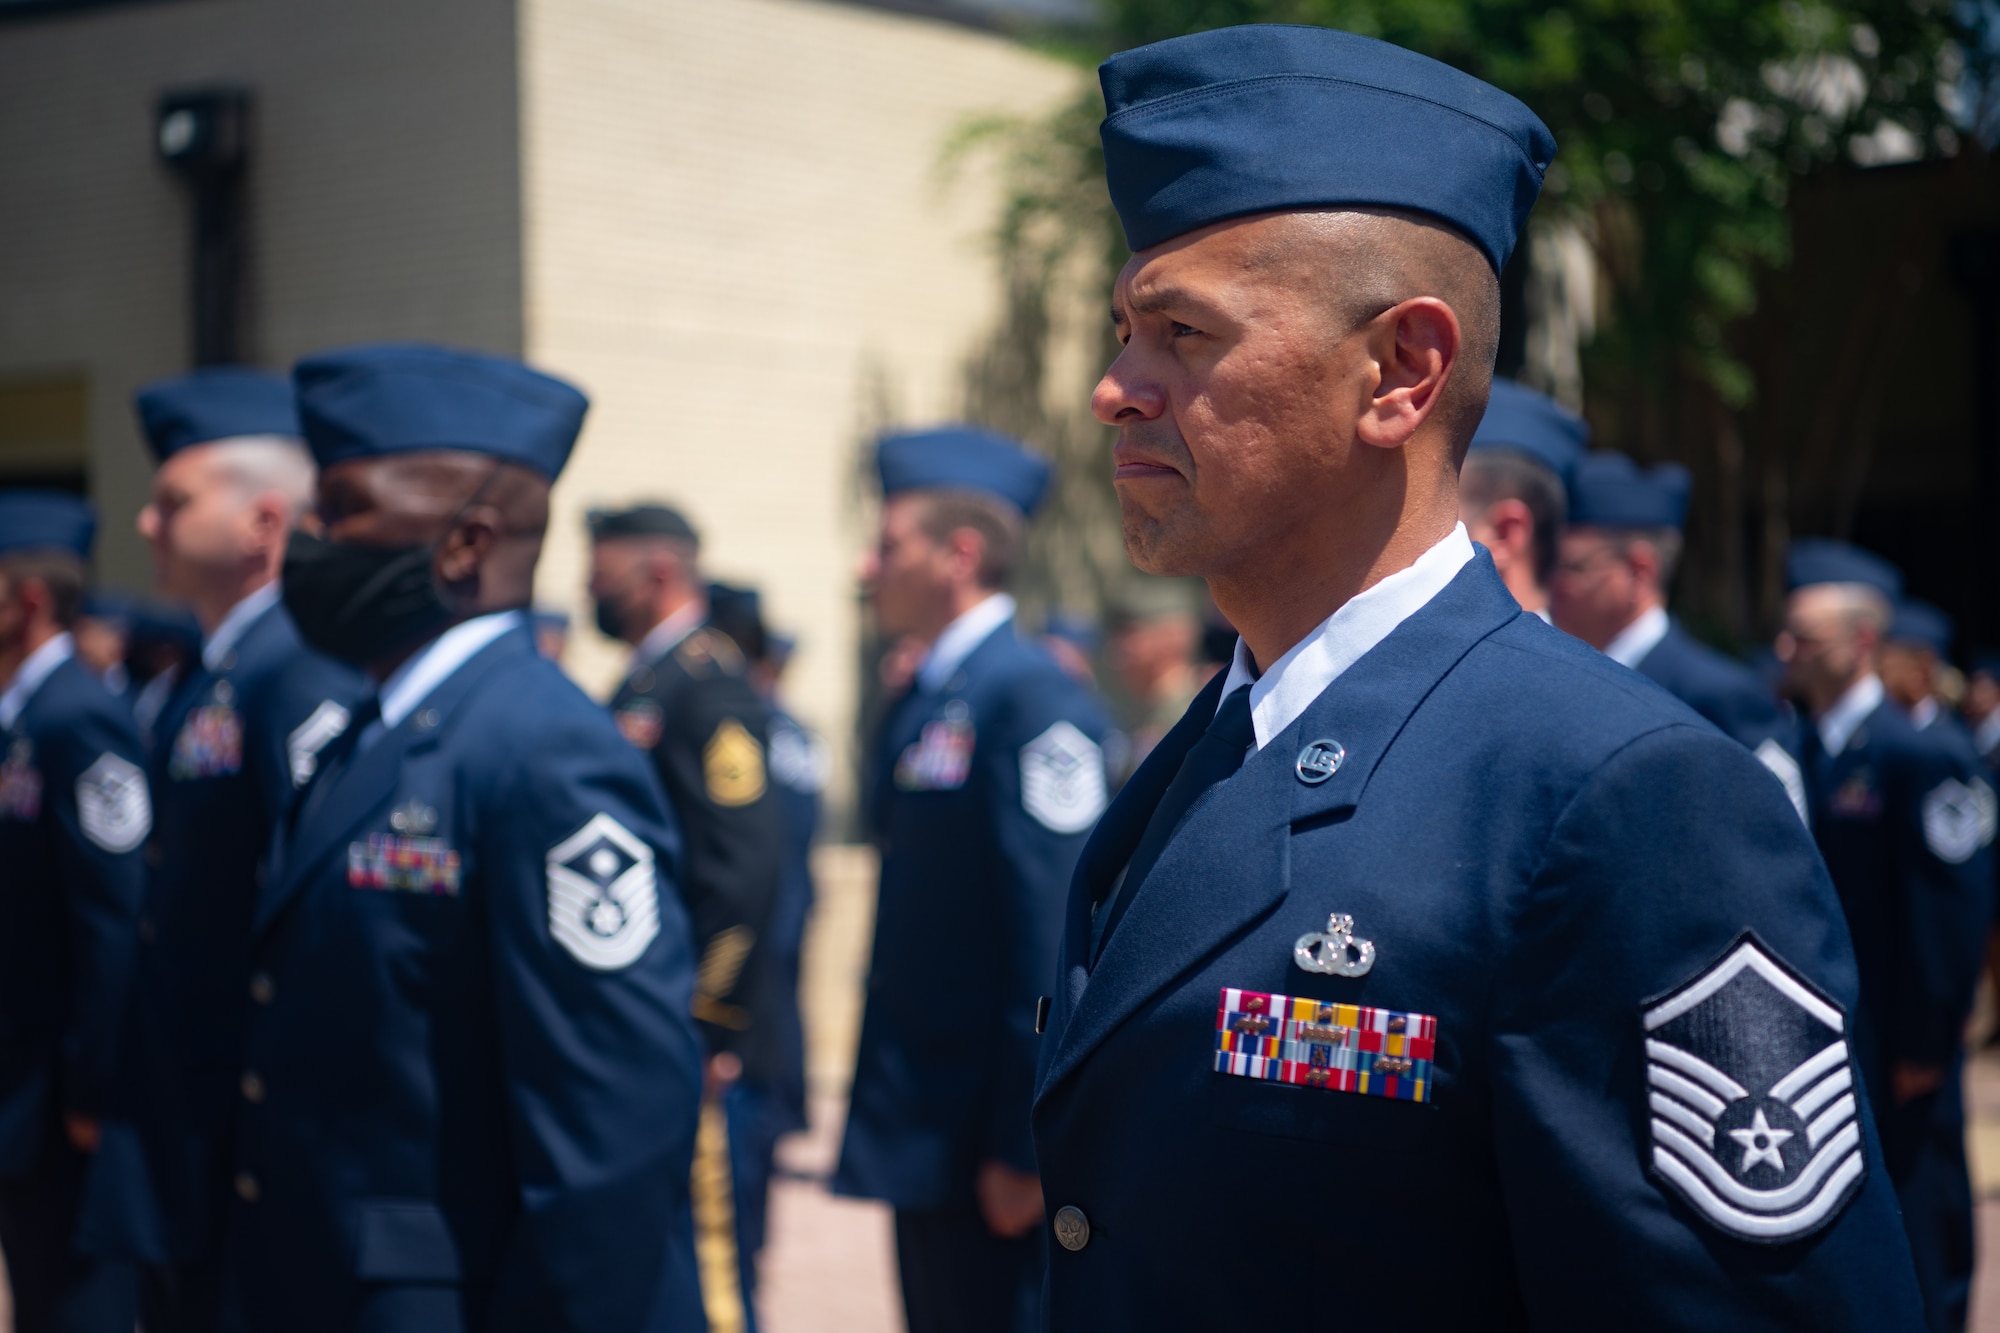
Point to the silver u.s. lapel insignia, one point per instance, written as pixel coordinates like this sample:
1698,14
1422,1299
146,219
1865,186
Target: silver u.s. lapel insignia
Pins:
1326,951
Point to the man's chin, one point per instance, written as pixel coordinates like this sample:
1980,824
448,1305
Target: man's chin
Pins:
1154,548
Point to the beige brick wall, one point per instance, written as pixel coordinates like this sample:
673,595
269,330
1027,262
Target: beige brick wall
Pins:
384,196
734,219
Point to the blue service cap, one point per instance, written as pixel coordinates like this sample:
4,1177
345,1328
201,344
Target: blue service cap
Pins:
962,458
1814,560
214,403
110,604
1251,119
1072,628
1611,491
1534,424
37,520
1922,624
1985,662
391,398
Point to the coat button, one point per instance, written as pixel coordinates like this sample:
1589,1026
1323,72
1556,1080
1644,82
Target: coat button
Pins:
1072,1227
246,1187
261,989
252,1085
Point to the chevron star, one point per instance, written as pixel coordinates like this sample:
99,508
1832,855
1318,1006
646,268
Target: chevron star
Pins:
1761,1143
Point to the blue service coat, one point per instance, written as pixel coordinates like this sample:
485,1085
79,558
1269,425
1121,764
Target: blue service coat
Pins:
1598,933
74,812
1721,689
797,762
471,1076
237,742
984,791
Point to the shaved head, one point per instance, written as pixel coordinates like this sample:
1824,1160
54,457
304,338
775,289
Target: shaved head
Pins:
1360,262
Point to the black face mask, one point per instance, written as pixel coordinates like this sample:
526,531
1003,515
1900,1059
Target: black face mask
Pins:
610,618
361,603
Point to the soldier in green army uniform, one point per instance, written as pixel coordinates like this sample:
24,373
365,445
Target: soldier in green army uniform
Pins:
688,701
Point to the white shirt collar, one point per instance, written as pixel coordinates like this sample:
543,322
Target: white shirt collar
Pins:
239,619
1292,682
417,679
1924,712
1630,645
665,636
1842,720
28,678
960,637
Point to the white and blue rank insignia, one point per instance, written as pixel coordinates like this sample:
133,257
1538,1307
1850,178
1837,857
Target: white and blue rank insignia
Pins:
1062,779
1751,1094
604,904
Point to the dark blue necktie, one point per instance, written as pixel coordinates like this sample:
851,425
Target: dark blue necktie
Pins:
1218,754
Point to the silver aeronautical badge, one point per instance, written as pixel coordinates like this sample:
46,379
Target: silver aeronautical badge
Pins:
413,816
1327,951
1751,1094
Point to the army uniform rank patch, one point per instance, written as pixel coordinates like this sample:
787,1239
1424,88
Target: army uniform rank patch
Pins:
941,758
398,864
604,905
732,765
210,744
311,736
1062,779
20,784
1314,1044
640,722
1751,1093
112,804
1958,819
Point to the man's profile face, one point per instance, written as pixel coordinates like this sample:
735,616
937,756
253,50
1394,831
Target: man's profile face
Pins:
622,578
1594,592
906,577
1234,400
199,522
379,502
1821,647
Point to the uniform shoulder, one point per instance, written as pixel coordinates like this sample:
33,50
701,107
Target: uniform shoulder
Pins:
1546,690
1020,677
74,715
708,653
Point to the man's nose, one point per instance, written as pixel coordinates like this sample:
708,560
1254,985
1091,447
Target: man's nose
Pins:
1125,394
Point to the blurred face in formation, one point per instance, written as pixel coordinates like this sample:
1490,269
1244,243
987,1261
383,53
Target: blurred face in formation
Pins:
1827,643
1598,587
1150,654
626,576
201,531
909,577
1909,673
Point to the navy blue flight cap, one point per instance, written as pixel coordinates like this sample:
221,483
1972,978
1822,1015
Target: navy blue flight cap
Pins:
1922,624
1814,560
214,403
962,458
36,520
1611,491
1534,424
391,398
110,604
1252,119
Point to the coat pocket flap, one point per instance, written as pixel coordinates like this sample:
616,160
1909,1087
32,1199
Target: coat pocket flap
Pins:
404,1242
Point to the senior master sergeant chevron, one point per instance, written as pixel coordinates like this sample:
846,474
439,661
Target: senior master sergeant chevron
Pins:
1457,978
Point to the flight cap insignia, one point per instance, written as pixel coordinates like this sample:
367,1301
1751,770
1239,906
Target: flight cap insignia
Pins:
1750,1089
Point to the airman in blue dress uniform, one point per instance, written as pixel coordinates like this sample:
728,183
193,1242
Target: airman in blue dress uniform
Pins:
988,775
470,1079
1610,590
239,736
1915,649
1905,819
1435,972
1513,492
74,813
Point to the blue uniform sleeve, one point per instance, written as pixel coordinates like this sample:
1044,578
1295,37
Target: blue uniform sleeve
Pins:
103,808
1677,968
1944,873
594,977
1048,788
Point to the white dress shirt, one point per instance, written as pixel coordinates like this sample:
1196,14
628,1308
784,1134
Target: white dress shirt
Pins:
1288,687
28,678
1849,711
417,679
960,637
1630,645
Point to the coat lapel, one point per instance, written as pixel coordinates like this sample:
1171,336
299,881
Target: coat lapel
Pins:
364,784
1230,863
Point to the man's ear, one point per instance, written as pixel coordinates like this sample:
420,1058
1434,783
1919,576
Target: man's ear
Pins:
270,522
965,548
465,548
1414,347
